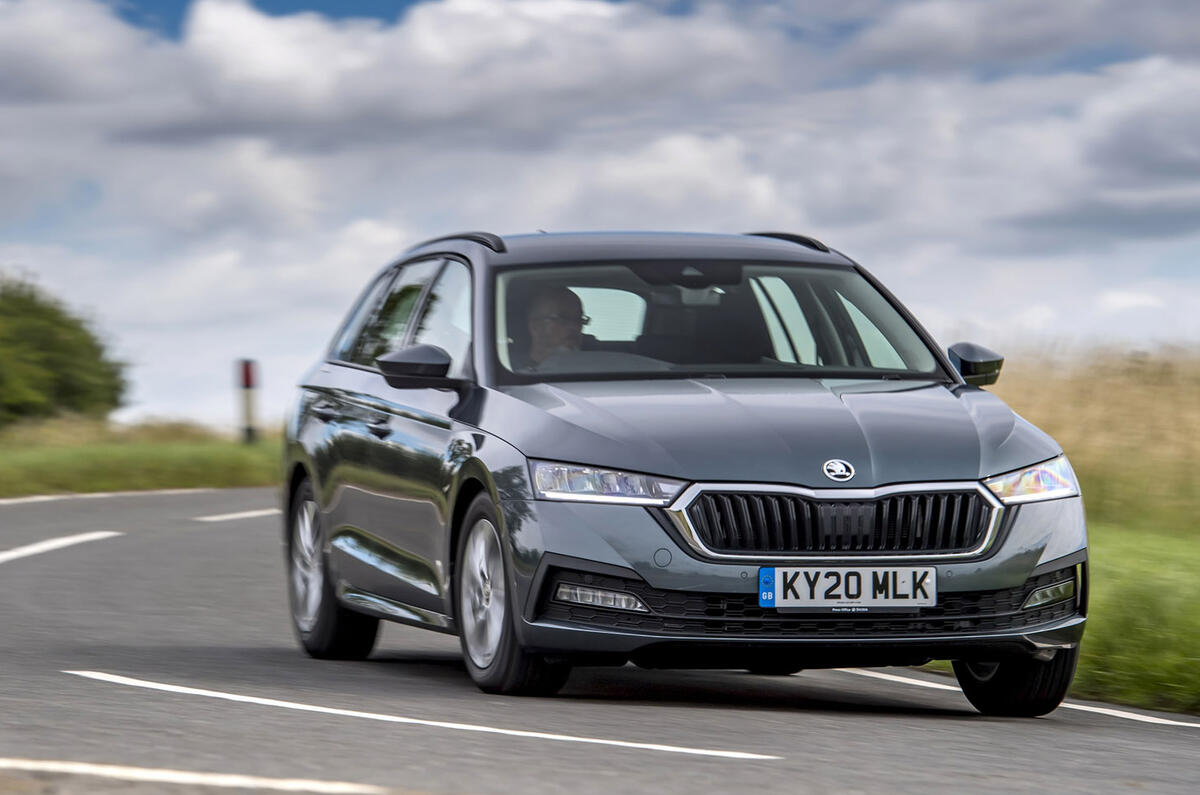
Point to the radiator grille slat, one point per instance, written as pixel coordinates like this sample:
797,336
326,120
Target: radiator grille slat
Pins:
750,522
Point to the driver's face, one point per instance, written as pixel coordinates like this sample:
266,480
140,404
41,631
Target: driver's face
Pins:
556,323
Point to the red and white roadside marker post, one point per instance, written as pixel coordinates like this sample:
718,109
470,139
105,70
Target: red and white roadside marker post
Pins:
248,379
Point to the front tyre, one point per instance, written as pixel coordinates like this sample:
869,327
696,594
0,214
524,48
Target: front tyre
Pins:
774,669
1023,688
486,614
324,627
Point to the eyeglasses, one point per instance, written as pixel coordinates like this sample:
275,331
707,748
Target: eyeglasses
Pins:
565,320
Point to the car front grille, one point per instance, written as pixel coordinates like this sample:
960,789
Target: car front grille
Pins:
683,613
752,523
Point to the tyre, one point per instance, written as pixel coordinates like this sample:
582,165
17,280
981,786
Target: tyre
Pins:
1018,688
323,626
774,669
486,614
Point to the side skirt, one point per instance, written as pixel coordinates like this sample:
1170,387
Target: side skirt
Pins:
381,607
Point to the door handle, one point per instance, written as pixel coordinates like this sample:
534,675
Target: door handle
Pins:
381,427
325,412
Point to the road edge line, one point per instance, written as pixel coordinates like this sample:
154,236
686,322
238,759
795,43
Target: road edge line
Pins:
437,724
1109,711
185,777
51,544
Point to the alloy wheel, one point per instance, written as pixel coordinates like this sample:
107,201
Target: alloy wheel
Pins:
983,671
482,593
308,576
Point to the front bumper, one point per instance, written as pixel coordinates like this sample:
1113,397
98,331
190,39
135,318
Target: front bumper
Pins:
704,613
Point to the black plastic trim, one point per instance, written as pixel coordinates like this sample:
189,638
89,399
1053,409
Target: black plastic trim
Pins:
804,240
494,242
1061,563
553,560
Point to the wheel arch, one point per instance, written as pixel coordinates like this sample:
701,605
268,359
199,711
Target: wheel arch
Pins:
470,485
297,474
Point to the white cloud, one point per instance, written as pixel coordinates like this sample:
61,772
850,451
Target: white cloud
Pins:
1112,301
228,193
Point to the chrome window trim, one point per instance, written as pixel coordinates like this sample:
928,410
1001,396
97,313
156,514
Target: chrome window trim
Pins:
677,511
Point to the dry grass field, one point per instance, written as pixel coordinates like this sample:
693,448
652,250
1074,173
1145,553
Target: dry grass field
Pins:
1129,422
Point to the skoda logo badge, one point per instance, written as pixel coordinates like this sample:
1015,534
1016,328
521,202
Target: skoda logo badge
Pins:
839,470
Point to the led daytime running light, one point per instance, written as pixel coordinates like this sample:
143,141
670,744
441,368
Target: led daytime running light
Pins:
1048,480
577,483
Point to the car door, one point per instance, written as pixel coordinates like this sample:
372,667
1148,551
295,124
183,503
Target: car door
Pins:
412,450
324,406
367,566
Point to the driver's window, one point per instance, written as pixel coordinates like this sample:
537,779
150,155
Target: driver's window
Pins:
386,330
446,317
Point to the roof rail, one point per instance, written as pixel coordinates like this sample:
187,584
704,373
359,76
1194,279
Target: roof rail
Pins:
494,242
803,240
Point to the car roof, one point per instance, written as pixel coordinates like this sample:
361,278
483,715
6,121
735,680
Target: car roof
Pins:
560,247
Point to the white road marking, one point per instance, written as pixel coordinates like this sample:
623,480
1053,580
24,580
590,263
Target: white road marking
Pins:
902,679
1120,713
1112,713
98,495
53,544
161,776
437,724
229,517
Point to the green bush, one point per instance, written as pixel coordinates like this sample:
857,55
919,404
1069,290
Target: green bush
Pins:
51,361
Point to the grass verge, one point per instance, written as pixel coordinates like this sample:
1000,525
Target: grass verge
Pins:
1142,644
76,455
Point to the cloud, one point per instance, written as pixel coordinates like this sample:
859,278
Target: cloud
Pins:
1112,301
1007,168
1021,35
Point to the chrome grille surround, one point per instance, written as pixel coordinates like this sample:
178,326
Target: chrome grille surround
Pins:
678,514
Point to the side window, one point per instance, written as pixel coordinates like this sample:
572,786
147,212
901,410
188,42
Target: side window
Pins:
790,333
446,317
366,305
879,351
386,329
614,315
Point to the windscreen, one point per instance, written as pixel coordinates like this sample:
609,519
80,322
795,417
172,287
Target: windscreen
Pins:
664,319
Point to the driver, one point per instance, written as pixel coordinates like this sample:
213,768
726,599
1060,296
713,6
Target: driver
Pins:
556,322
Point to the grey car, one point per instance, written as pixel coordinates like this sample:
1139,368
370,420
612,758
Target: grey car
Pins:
675,450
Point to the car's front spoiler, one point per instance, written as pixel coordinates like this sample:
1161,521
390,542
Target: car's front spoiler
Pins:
674,651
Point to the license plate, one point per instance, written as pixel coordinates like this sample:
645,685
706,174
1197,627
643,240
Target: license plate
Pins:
847,590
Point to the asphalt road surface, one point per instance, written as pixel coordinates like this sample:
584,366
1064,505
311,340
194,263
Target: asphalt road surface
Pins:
166,646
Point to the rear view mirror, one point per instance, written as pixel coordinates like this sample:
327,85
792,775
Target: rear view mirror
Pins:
977,364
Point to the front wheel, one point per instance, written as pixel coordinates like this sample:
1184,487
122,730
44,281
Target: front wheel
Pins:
1018,688
486,614
774,669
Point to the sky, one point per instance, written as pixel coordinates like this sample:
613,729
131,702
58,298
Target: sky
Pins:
217,179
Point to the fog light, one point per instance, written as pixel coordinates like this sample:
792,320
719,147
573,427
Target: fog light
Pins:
595,597
1059,592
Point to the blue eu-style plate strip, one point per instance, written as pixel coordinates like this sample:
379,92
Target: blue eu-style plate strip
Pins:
766,587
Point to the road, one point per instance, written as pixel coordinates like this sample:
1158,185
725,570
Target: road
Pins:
177,634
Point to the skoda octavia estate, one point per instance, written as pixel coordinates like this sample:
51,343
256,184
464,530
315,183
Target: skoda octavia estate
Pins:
676,450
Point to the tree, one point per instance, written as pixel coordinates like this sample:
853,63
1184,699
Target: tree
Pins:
51,361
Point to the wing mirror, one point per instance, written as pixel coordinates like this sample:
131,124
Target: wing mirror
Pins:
977,364
415,366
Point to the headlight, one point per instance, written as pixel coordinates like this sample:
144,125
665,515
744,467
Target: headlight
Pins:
1048,480
553,481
